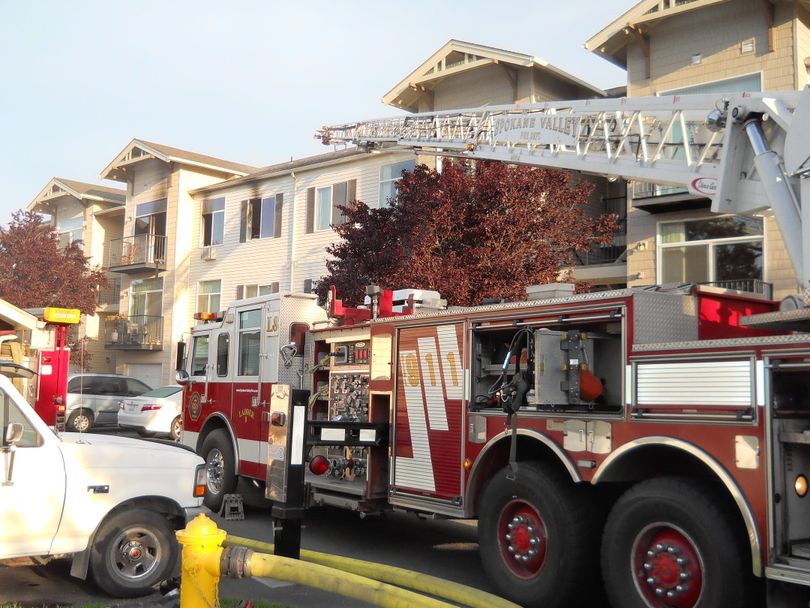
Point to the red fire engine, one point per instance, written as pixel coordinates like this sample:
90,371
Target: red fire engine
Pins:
660,436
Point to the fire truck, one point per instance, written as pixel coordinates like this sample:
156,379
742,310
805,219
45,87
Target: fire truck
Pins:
658,437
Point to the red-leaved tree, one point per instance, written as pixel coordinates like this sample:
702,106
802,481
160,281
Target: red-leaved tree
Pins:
36,272
471,231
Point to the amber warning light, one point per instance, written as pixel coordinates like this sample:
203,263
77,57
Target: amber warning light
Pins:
205,316
62,315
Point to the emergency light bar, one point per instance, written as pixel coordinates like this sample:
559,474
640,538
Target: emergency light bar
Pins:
207,316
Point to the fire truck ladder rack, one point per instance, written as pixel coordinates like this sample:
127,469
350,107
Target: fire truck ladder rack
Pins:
743,151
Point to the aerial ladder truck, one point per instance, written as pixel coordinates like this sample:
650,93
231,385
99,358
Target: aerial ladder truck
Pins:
654,439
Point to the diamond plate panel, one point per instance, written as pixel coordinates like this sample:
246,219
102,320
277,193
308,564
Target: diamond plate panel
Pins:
664,317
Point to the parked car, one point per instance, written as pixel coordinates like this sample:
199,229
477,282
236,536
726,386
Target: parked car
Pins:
156,412
94,399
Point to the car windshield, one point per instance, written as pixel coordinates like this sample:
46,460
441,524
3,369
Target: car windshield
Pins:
163,391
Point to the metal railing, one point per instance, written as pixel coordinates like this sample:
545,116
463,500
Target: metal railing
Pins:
643,190
138,251
110,296
138,332
748,285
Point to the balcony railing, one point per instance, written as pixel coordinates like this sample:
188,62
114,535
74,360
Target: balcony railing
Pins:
607,254
648,190
748,285
133,254
139,332
109,297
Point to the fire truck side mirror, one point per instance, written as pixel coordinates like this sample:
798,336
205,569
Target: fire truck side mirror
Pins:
13,434
181,377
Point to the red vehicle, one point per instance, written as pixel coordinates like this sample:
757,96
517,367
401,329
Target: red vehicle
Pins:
658,436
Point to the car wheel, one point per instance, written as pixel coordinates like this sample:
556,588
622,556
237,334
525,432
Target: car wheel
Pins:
133,551
80,421
176,429
219,463
667,544
537,538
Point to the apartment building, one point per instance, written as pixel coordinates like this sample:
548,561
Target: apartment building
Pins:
152,253
92,215
706,46
269,231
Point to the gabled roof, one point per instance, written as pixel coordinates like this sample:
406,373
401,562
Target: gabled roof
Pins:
457,56
87,194
139,150
611,42
307,163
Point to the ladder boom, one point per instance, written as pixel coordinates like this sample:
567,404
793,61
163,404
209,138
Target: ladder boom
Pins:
696,142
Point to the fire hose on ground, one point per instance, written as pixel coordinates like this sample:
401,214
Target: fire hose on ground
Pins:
209,552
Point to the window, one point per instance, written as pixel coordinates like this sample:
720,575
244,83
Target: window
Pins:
146,298
70,231
261,218
135,387
10,412
150,231
213,216
323,203
208,296
249,332
199,356
389,176
251,291
223,344
724,249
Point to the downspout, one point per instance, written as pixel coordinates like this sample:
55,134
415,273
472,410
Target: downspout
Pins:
291,252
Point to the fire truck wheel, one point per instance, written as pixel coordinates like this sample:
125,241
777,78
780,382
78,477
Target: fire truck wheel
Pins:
536,537
134,551
667,543
219,462
80,421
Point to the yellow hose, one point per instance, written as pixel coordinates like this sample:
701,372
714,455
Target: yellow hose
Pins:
408,579
334,581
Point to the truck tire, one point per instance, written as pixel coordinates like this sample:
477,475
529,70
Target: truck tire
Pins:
133,551
667,543
219,464
80,421
537,537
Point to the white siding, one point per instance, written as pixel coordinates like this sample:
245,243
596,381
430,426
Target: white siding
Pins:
264,261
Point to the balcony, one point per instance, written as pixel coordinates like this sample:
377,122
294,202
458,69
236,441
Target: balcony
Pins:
138,253
660,198
140,332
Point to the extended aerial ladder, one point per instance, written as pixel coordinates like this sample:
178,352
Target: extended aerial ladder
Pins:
746,152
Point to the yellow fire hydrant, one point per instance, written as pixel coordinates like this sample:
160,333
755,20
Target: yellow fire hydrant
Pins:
202,544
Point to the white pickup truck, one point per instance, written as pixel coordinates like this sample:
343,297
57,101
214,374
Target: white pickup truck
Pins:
112,504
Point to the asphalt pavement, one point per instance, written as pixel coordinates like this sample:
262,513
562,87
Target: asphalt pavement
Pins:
443,548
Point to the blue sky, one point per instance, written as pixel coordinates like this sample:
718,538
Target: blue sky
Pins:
247,81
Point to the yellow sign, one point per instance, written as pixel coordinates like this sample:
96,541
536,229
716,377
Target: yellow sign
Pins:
62,315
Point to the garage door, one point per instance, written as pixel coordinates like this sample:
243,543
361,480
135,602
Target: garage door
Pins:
150,373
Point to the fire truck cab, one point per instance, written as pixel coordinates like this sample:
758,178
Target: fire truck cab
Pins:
234,360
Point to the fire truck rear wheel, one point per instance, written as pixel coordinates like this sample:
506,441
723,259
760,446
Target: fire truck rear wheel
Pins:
133,551
219,461
80,421
667,543
537,537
